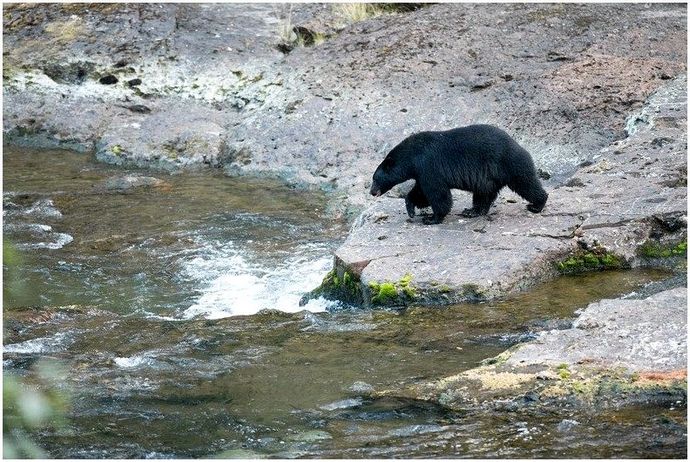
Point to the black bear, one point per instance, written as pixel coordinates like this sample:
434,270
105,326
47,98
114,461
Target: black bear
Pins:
477,158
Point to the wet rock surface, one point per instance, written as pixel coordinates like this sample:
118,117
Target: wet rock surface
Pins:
125,183
618,352
639,335
221,93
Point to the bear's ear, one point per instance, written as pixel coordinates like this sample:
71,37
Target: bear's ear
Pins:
387,164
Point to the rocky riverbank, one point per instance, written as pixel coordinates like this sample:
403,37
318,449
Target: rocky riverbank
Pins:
596,93
181,86
617,352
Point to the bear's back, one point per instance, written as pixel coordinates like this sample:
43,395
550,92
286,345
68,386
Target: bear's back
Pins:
468,156
481,143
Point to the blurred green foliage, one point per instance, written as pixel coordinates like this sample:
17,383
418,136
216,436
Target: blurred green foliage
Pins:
30,405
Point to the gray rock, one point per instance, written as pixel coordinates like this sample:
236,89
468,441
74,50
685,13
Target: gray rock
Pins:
127,183
324,115
310,436
566,425
638,335
510,249
619,352
413,430
342,404
361,387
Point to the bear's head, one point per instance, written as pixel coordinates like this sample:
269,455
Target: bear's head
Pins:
395,169
381,182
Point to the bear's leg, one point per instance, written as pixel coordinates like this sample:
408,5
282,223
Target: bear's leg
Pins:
415,198
441,202
530,189
481,203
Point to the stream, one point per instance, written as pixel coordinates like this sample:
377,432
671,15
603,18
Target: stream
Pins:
172,311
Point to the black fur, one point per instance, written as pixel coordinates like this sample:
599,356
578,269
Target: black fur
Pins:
481,159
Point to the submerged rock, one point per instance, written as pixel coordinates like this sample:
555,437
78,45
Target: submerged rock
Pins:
127,183
361,388
310,436
618,352
567,425
342,404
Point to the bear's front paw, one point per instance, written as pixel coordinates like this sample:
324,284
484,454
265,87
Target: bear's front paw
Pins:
410,208
535,208
470,213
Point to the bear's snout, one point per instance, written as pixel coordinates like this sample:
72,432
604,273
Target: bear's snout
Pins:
375,190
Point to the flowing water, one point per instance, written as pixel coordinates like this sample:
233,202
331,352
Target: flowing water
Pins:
173,311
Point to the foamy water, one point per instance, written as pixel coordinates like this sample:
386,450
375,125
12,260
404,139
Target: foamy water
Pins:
52,344
39,235
232,285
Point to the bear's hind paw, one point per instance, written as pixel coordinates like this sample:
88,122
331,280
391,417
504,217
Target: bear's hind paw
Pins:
432,220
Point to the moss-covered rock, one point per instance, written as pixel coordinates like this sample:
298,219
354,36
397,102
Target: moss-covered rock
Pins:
496,383
596,259
400,292
655,249
338,284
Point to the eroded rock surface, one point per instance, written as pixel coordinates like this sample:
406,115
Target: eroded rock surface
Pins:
220,92
618,351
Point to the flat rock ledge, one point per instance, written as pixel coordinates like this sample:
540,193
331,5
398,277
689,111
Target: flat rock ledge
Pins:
625,209
618,352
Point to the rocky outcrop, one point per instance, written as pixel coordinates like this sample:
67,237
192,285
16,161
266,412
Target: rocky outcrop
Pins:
625,208
617,352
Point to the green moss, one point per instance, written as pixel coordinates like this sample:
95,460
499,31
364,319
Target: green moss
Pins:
117,149
563,371
595,260
500,359
590,260
345,288
583,387
406,287
653,249
347,279
472,291
319,38
383,293
392,293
